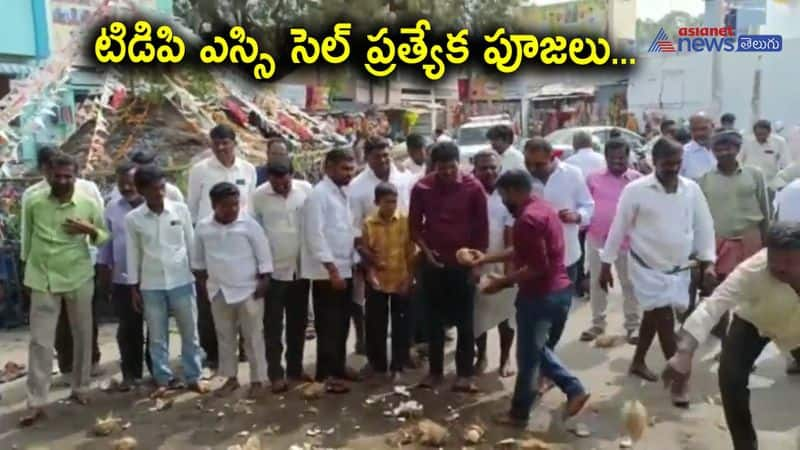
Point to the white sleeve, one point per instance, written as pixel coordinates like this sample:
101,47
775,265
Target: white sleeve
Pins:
198,261
188,231
584,200
133,250
313,228
703,224
620,226
261,249
194,192
358,212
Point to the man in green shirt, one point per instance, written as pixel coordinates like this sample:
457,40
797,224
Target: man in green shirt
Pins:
739,202
59,224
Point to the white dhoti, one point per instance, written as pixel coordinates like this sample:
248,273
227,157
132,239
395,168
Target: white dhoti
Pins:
656,289
491,309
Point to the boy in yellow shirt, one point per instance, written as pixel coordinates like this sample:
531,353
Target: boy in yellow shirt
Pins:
389,281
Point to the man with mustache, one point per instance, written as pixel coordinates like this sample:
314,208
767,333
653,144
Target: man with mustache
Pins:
739,201
58,226
667,219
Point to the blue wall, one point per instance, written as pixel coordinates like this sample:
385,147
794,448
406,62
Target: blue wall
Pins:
18,27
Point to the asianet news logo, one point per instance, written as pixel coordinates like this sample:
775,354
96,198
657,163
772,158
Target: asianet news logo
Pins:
710,39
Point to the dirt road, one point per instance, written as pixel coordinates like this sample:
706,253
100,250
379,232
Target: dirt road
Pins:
351,422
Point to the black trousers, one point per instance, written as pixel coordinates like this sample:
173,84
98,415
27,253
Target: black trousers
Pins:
450,295
130,334
417,312
63,344
205,327
289,299
581,275
378,307
740,349
332,320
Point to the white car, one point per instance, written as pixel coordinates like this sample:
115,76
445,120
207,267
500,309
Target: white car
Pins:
471,135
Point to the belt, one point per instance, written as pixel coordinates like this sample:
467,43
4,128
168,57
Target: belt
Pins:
677,269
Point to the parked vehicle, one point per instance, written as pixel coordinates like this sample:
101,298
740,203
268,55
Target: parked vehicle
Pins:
471,135
561,140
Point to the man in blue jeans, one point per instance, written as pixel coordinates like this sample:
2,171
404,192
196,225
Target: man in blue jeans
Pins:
544,290
158,237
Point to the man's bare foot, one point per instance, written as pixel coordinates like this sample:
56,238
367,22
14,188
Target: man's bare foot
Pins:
231,384
481,365
80,399
35,415
279,386
545,385
575,405
431,382
200,387
257,391
466,386
641,371
505,372
159,392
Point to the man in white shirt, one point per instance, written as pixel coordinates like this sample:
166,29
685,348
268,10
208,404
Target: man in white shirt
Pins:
144,158
787,203
589,161
667,219
564,187
585,157
414,165
327,257
63,342
762,293
224,165
489,311
277,205
697,156
501,138
766,150
158,239
232,258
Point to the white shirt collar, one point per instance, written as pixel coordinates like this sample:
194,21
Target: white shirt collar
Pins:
654,183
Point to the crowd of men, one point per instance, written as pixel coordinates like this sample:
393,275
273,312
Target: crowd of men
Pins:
418,248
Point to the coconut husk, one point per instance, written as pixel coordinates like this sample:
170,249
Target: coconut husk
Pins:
125,443
431,433
522,444
313,391
608,341
108,425
474,434
634,419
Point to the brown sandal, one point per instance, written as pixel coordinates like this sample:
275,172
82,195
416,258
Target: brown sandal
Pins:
35,416
336,387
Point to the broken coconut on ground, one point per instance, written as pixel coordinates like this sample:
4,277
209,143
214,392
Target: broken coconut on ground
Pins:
634,419
313,391
474,434
608,341
125,443
107,425
431,433
522,444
